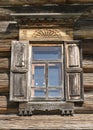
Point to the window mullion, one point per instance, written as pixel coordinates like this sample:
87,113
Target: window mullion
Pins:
46,79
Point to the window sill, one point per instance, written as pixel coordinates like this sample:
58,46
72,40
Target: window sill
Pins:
28,108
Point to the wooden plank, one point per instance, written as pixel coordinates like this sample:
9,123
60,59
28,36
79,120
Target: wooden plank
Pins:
73,56
19,71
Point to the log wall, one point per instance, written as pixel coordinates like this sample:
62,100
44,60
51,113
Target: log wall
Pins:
9,32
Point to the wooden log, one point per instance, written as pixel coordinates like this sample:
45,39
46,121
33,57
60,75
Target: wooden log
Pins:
88,79
6,106
37,2
4,83
8,30
88,104
88,63
4,64
83,33
79,1
5,42
5,54
4,89
9,35
25,2
87,47
4,86
4,76
4,48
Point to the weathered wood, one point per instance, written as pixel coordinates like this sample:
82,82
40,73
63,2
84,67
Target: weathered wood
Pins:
8,30
4,76
84,33
19,71
5,54
55,122
87,47
73,56
73,74
88,63
4,83
31,2
77,21
4,64
46,34
28,108
4,48
88,104
6,106
88,79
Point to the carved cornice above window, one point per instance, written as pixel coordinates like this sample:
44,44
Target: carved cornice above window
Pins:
45,19
44,34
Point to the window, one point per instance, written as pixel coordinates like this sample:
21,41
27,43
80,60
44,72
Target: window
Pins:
46,72
47,69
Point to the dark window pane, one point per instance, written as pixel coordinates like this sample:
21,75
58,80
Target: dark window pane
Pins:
38,75
46,53
54,93
54,75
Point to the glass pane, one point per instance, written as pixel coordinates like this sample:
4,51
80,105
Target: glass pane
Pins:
54,93
54,75
38,75
46,53
37,93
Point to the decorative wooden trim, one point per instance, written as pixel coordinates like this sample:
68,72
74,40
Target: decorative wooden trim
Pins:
28,108
48,19
44,34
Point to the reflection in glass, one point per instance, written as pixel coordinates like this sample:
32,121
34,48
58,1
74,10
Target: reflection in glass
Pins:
38,75
54,75
54,93
38,93
46,53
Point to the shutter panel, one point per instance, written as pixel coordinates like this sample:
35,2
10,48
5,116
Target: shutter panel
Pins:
19,71
74,75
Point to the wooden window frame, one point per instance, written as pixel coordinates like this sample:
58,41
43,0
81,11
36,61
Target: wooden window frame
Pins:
61,61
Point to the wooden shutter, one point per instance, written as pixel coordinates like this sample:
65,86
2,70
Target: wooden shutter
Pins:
19,71
73,75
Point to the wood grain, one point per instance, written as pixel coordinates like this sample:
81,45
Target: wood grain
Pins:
80,27
31,2
45,122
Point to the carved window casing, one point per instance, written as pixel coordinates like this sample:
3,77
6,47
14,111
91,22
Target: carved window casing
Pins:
46,68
